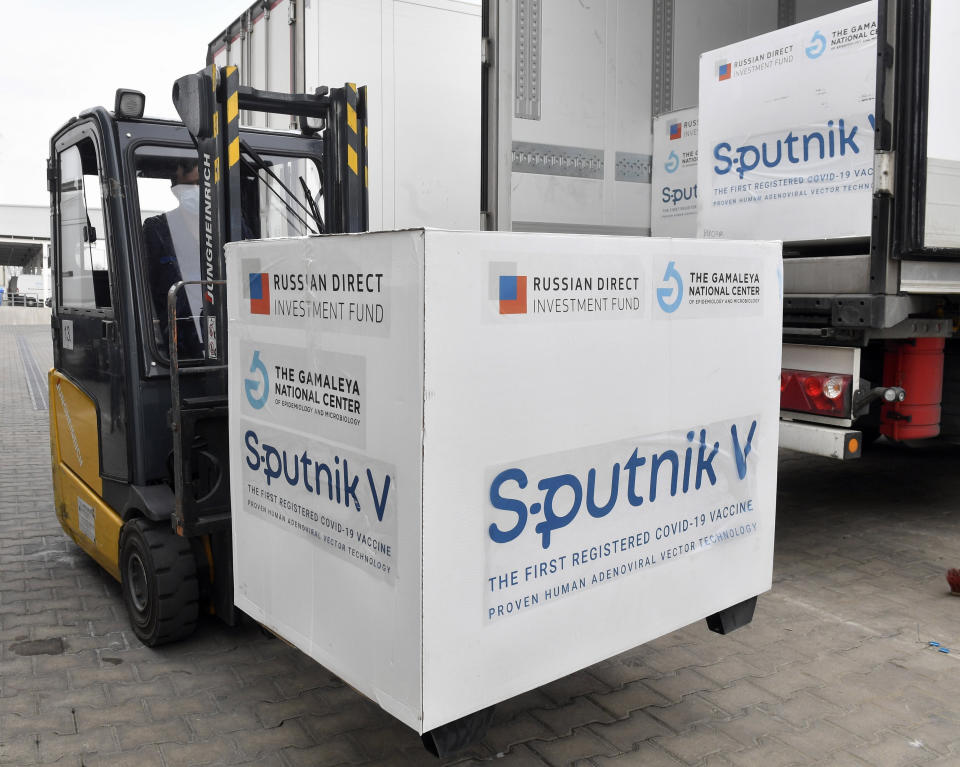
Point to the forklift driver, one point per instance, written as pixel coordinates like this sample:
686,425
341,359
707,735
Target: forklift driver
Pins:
172,249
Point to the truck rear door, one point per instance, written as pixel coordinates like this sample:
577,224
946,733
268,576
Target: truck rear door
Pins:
921,241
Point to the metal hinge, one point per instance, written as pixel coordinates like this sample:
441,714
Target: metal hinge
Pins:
486,52
51,175
883,164
110,188
292,13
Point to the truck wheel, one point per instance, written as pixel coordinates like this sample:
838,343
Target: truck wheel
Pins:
158,576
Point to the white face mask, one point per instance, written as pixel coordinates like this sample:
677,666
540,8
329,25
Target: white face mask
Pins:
188,195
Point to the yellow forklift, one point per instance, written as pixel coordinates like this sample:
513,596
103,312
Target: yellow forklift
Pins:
140,212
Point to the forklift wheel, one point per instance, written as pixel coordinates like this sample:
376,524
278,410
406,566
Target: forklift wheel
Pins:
159,580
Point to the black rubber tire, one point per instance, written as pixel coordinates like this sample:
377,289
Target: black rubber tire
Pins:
950,398
158,576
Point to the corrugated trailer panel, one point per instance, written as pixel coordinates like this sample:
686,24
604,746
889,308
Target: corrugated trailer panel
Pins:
420,62
277,56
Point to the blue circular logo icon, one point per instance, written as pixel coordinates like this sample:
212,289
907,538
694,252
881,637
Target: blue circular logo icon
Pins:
818,44
251,385
670,297
672,163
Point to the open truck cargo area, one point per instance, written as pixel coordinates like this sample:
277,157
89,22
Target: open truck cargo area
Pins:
827,125
797,160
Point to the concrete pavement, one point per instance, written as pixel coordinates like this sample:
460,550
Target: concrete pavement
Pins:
836,668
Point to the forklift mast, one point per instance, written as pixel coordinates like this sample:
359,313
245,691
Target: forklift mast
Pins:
209,103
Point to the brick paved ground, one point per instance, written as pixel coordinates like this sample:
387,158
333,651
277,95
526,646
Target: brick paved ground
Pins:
835,669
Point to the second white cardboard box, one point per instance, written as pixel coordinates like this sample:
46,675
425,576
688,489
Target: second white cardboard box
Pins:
786,131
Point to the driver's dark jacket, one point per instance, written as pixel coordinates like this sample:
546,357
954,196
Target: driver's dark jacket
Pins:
163,270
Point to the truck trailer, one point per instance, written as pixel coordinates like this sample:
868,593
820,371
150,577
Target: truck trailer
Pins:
569,96
869,313
826,150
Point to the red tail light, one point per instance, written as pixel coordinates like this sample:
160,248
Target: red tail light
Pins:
811,392
812,386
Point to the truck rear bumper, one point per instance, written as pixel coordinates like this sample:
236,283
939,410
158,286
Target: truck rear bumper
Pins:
829,441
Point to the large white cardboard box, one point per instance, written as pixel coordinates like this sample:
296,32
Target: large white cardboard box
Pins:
786,131
466,464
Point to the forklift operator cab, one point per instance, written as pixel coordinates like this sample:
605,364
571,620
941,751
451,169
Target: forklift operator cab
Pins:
171,254
168,194
125,220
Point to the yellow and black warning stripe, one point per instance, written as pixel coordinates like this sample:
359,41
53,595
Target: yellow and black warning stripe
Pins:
353,137
233,116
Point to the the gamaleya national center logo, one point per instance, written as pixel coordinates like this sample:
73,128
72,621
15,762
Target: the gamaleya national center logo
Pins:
259,293
513,294
818,44
670,296
257,388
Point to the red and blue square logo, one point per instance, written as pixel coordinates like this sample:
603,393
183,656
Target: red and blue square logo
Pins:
724,70
259,293
513,294
676,131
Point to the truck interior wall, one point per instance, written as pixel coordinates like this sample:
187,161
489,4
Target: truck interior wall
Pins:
595,98
811,9
700,27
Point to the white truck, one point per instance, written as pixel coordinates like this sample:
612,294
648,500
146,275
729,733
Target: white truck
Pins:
843,144
568,96
28,290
